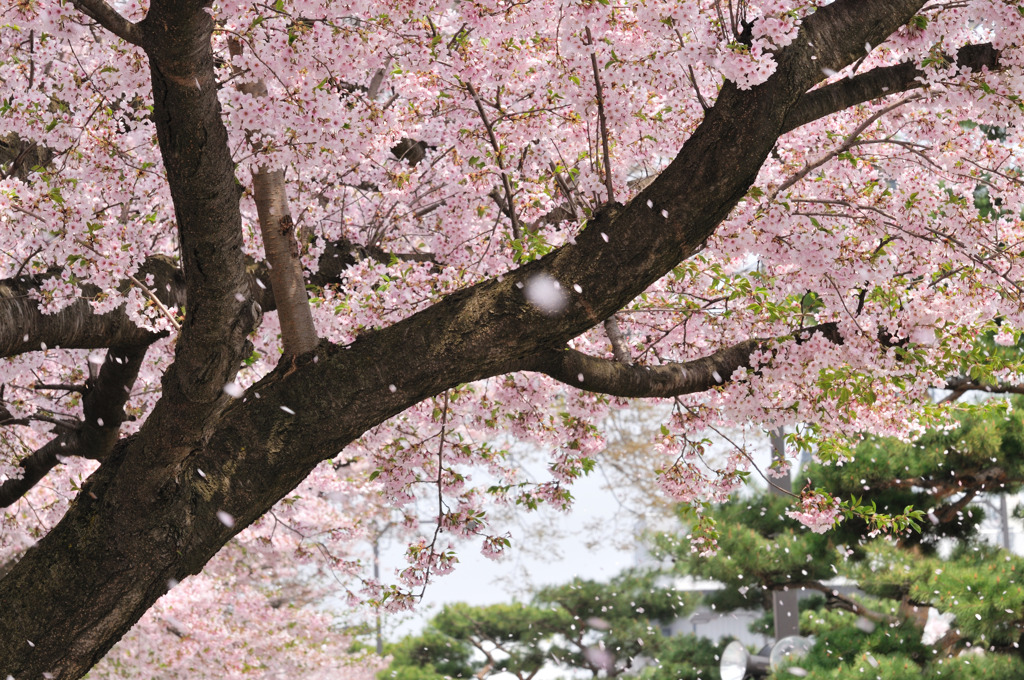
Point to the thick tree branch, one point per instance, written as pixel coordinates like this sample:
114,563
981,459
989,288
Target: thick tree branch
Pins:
879,82
23,328
668,380
619,349
623,380
200,173
107,17
962,385
836,600
971,481
95,437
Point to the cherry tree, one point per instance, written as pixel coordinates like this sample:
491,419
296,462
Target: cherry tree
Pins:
268,264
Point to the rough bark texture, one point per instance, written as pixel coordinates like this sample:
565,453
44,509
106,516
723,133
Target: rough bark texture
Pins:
148,516
200,172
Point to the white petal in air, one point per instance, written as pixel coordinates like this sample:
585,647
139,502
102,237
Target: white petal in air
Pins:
546,294
225,519
601,658
95,358
288,410
716,376
233,390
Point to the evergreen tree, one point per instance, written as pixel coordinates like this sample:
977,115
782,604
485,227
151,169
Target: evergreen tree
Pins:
882,628
583,628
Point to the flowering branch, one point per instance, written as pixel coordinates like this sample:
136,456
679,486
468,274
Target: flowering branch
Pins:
847,144
879,82
107,17
517,232
602,121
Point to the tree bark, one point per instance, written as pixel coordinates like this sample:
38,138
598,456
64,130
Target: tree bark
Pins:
298,334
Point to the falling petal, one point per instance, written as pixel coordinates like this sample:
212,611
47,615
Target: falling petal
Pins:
865,625
233,390
288,410
601,658
546,294
226,519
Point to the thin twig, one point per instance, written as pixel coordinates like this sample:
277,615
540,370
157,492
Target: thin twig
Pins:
152,296
440,491
506,183
602,121
700,97
849,143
